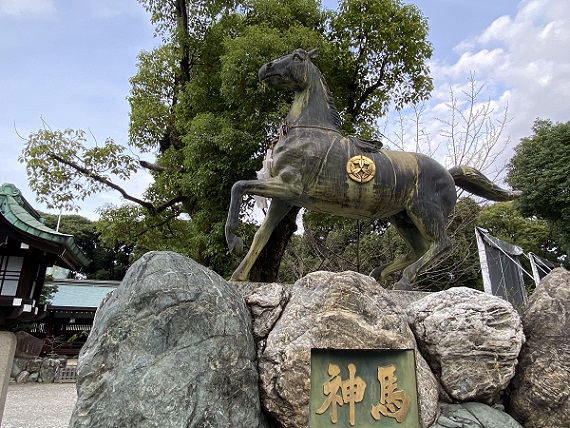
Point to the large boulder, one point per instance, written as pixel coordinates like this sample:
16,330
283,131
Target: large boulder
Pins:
539,395
473,415
470,339
172,347
336,311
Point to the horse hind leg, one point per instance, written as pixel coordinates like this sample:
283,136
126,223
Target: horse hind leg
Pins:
430,222
415,241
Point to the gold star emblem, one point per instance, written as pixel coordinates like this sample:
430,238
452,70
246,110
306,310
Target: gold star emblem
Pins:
361,169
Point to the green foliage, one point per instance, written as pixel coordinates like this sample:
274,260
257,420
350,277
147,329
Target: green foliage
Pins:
532,234
62,170
107,262
48,291
82,229
382,48
541,169
151,94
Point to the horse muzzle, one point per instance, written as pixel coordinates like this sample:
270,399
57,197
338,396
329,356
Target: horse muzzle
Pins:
276,77
265,74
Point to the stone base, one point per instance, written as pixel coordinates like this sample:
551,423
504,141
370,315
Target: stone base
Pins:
7,349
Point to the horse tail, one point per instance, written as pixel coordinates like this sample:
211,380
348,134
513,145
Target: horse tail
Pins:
475,182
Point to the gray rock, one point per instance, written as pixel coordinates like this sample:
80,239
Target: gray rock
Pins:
266,301
34,365
172,347
473,415
49,369
406,298
18,366
470,339
539,395
333,310
23,376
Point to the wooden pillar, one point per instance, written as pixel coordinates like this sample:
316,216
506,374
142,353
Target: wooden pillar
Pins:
7,349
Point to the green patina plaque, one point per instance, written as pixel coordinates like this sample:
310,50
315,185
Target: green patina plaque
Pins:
363,388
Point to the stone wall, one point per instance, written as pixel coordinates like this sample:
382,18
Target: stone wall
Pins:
37,369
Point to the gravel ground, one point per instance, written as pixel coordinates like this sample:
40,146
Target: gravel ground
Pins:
37,405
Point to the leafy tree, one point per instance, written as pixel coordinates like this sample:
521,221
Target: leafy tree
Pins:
541,169
196,103
532,234
383,47
48,291
106,262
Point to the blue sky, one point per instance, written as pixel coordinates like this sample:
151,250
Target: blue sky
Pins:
68,63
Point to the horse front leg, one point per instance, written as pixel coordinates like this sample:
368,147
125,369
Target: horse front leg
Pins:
235,243
277,210
273,188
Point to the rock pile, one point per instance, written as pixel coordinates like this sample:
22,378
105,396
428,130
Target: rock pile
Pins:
329,310
175,346
37,369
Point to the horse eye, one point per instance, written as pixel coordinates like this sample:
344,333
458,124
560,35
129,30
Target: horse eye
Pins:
297,57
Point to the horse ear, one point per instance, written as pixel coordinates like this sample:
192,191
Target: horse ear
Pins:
313,53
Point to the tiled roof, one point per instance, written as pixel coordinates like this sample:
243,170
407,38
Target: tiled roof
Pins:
22,219
84,296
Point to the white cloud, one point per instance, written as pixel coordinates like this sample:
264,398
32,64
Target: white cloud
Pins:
27,7
496,30
522,61
481,61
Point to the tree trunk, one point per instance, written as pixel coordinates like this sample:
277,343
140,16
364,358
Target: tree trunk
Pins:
266,267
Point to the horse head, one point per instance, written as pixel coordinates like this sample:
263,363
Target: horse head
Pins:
290,72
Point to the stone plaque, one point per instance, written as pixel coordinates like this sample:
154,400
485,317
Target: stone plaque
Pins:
363,388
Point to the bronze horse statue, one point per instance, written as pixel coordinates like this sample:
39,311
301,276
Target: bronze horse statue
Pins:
316,167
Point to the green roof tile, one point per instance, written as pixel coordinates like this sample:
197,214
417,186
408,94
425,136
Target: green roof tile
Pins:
84,296
21,216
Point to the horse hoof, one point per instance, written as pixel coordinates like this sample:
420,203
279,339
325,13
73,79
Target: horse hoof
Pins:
376,273
237,278
236,246
403,285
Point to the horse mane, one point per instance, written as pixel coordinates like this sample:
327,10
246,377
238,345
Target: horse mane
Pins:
330,101
368,146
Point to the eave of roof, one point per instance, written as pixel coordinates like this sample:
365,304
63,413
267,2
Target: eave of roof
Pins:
79,296
26,222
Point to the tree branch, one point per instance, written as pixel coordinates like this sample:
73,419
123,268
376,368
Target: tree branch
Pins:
368,91
103,180
152,166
